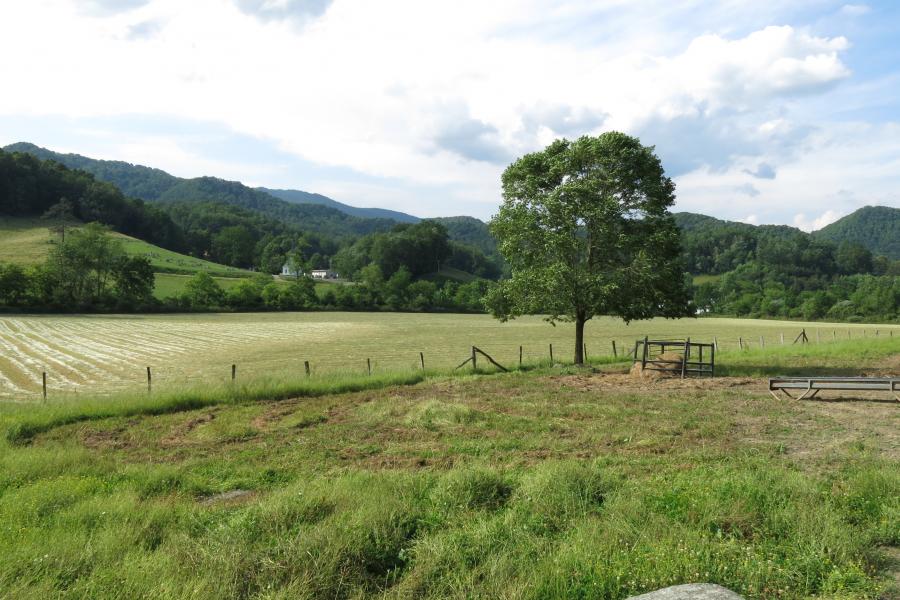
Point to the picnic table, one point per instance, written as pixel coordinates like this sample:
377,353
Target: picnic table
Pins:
811,386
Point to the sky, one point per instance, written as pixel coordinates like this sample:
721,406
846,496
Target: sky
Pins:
763,112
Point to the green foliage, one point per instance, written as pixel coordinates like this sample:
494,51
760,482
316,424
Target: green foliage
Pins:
203,291
32,187
877,228
586,231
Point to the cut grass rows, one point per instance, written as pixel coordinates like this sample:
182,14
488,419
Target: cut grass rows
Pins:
103,354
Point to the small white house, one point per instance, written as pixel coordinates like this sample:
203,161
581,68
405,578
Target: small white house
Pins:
289,269
324,274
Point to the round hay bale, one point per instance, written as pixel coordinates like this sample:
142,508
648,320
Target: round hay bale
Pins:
670,367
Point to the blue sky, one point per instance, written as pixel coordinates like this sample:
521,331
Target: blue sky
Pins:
762,112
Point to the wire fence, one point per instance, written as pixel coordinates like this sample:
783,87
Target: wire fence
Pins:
53,376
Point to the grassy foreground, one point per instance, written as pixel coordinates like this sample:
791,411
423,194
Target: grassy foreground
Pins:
550,483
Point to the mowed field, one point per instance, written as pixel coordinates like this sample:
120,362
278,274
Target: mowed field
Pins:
98,354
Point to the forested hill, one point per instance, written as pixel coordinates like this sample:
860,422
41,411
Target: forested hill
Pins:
155,185
875,227
300,197
134,181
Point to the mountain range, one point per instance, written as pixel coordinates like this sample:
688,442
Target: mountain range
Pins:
877,228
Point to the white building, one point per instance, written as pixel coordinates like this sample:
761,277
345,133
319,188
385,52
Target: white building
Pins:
289,269
324,274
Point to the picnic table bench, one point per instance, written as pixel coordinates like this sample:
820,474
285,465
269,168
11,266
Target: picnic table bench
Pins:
810,386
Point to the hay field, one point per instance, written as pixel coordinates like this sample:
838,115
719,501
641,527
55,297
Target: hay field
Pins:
97,354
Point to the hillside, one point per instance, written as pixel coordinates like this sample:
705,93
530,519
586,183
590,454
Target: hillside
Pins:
155,185
300,197
874,227
28,241
135,181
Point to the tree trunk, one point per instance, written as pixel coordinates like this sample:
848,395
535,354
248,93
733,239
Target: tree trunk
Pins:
579,338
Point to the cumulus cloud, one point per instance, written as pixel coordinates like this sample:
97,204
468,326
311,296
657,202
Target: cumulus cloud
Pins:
441,93
826,218
283,9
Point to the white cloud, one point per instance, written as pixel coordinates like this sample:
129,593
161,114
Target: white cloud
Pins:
826,218
436,94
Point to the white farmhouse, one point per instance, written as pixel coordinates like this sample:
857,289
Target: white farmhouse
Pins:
290,269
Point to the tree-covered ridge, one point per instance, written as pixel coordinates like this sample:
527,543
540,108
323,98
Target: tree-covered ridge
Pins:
32,187
875,227
135,181
313,218
301,197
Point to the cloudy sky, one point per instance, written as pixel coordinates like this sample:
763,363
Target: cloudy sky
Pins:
766,112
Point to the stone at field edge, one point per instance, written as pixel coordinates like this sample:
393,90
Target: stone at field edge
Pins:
691,591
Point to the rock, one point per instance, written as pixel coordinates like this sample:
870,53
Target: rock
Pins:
225,497
691,591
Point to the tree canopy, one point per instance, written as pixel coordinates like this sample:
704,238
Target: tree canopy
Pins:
586,231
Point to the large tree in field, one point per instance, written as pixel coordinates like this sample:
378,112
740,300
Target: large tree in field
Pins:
586,230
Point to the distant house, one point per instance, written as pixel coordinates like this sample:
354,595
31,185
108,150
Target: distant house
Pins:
324,274
289,269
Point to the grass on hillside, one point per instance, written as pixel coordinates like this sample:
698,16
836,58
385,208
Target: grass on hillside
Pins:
555,483
28,241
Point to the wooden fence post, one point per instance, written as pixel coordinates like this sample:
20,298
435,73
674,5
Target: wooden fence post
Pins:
149,380
520,357
422,359
474,360
716,342
306,366
615,354
44,378
584,353
369,365
741,342
833,335
551,355
233,372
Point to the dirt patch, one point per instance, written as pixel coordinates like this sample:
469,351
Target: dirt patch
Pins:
275,413
177,435
629,383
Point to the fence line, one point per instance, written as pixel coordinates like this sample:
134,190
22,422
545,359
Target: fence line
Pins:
506,353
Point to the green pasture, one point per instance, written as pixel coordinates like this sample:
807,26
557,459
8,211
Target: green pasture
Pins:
28,241
549,482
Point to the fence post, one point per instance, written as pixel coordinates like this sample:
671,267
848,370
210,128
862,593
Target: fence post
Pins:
782,338
833,335
369,365
149,380
233,372
306,366
474,359
741,342
584,353
615,354
44,378
422,359
520,357
716,342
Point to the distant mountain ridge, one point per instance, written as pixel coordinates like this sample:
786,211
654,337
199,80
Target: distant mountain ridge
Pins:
301,197
877,228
